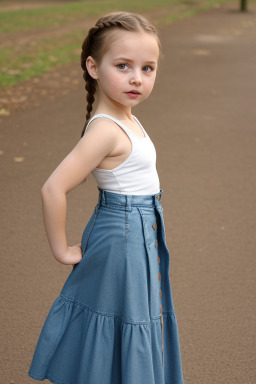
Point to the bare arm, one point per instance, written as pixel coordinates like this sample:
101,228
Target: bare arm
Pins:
97,142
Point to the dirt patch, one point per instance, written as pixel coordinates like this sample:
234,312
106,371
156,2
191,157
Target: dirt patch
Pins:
32,93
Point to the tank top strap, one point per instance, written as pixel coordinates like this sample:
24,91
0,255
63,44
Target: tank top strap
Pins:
129,133
145,133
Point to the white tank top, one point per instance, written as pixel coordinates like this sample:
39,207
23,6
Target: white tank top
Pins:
137,175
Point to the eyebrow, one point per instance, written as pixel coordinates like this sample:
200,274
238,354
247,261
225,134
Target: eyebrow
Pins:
126,59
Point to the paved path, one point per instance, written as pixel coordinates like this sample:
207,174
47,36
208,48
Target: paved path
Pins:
202,119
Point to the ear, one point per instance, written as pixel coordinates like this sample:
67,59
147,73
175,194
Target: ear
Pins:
92,67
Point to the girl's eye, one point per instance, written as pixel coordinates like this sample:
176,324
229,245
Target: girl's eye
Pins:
147,68
122,66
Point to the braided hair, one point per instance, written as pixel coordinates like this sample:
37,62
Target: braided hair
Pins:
94,45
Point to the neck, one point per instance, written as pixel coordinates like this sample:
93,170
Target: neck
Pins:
116,110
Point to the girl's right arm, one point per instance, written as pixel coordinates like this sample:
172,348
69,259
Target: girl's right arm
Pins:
98,141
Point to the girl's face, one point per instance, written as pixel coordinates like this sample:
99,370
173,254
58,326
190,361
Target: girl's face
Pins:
127,71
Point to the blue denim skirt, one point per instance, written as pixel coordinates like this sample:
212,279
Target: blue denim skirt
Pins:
114,321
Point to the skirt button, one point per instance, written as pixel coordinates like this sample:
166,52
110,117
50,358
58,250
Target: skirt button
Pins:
158,197
160,293
156,243
159,276
158,259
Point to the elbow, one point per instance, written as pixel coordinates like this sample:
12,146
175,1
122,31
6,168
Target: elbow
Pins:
47,189
50,188
44,189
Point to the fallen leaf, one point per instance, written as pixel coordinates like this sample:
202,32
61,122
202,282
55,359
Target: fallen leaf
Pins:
53,58
26,65
18,159
201,52
13,71
4,112
18,99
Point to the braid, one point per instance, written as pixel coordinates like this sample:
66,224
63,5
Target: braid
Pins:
90,84
91,89
107,24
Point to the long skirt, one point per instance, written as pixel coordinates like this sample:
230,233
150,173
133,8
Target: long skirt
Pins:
114,321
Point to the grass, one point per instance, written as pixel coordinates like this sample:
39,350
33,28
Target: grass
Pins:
19,62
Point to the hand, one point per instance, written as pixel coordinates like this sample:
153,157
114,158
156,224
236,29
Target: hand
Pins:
73,255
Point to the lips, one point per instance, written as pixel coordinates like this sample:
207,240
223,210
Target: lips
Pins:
134,92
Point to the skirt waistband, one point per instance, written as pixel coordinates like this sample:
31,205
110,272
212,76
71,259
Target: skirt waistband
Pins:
126,202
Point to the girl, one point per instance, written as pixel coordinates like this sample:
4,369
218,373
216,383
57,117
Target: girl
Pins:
114,320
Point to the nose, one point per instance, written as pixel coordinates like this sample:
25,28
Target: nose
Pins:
136,77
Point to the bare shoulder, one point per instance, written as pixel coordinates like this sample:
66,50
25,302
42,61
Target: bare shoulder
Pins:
103,128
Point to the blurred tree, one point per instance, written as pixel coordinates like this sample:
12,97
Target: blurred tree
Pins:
243,5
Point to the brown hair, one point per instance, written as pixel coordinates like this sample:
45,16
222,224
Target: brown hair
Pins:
94,42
